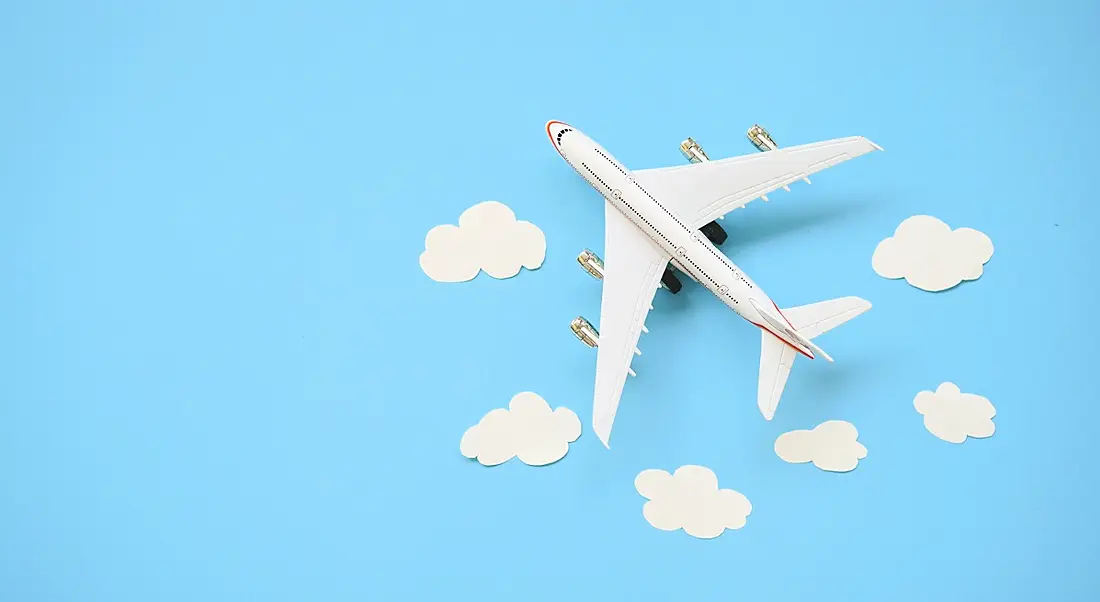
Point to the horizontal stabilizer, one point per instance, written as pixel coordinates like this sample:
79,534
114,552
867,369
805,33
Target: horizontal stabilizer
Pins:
776,359
818,318
777,356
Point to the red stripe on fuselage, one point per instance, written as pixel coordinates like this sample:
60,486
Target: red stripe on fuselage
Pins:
776,335
553,142
780,312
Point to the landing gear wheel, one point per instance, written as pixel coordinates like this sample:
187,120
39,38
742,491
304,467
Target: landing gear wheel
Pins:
671,282
715,233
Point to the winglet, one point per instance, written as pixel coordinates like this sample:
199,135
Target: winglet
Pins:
875,145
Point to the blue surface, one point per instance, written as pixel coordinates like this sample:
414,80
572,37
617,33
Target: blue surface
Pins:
226,378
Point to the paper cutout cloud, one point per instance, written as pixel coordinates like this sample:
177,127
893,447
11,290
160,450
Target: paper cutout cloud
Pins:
690,499
488,238
953,415
527,429
831,446
930,255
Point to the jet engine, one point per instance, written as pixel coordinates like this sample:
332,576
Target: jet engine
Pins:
591,263
761,139
693,152
584,331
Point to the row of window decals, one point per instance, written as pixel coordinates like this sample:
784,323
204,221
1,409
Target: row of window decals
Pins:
673,216
723,289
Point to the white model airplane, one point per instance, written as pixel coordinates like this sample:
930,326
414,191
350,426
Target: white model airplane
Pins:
658,217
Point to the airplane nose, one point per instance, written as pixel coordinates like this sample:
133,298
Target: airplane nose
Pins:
554,130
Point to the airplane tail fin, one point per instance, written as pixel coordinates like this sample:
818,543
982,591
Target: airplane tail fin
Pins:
777,356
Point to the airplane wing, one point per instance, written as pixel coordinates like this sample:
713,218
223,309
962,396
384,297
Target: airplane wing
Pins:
703,192
633,265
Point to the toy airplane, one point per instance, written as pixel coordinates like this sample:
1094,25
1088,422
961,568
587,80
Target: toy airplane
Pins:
664,217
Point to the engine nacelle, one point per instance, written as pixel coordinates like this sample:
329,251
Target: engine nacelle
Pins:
693,152
584,331
591,264
761,139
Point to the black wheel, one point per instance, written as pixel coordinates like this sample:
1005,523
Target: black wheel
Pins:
671,282
715,233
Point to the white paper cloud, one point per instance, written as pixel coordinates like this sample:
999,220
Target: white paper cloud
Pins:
690,499
930,255
488,238
953,415
831,446
527,429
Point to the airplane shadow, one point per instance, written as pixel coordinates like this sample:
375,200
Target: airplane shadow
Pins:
828,387
746,226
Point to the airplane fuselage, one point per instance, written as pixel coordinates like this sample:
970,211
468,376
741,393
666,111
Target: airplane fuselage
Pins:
690,250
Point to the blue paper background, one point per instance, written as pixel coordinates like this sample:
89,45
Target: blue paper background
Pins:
226,378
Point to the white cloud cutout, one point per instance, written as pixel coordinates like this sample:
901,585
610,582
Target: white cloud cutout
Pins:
527,428
690,499
831,446
953,415
930,255
488,238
